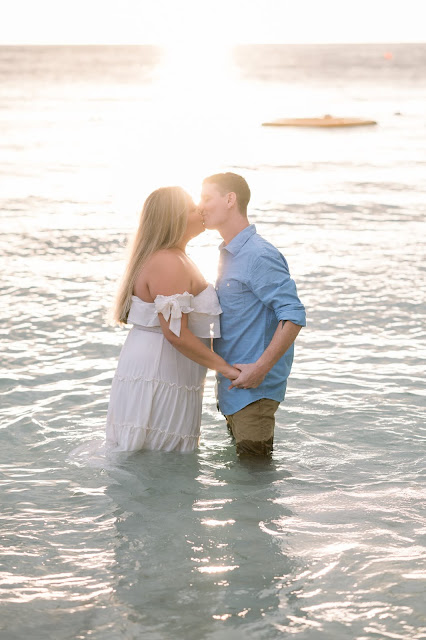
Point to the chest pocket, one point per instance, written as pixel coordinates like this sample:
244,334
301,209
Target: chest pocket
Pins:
232,294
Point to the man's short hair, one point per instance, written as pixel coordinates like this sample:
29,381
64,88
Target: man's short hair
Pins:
232,182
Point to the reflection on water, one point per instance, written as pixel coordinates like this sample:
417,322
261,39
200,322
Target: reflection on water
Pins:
206,547
326,541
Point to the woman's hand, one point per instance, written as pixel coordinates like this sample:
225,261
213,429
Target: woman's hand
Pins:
230,372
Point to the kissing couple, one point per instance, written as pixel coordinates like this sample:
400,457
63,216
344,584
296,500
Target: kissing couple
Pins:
244,327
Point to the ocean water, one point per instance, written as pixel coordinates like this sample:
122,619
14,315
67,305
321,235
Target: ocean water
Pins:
328,540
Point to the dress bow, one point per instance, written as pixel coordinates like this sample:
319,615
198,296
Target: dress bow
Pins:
172,307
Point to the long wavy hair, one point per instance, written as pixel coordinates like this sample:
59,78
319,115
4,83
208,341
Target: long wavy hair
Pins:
161,226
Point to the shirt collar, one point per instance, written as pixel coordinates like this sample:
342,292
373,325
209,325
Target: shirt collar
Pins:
239,240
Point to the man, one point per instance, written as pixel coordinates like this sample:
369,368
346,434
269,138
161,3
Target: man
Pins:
262,315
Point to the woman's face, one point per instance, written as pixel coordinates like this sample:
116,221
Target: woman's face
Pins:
194,224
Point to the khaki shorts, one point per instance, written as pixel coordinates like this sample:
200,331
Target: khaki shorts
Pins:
253,427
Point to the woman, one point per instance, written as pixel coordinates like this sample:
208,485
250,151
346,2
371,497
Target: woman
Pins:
156,393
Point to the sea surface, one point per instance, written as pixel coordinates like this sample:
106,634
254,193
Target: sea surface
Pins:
328,540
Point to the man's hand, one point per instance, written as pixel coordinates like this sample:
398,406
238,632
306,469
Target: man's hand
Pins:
251,376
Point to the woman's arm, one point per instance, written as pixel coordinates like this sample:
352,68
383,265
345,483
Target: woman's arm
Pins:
191,347
168,275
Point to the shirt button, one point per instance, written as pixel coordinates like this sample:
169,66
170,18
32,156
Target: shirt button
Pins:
227,284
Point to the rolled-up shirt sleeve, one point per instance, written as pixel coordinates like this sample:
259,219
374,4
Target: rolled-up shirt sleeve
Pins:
270,281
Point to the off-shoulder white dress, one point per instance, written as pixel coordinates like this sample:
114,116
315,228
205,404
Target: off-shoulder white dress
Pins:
156,393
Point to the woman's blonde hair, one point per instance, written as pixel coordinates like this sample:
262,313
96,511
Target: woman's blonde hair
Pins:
161,226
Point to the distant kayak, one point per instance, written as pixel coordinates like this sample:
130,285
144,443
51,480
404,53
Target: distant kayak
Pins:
325,121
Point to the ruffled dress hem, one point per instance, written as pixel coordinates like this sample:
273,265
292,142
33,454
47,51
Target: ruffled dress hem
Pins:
132,437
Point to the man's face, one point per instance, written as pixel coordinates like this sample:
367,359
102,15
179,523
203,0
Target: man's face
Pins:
213,206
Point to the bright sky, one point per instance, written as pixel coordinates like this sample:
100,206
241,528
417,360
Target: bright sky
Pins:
206,21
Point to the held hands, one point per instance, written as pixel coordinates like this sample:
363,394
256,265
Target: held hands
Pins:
231,372
251,376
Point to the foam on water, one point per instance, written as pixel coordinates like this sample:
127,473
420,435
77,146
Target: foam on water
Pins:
326,541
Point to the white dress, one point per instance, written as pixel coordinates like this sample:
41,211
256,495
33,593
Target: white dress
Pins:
157,392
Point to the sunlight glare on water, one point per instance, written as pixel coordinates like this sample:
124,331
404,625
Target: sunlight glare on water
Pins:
190,111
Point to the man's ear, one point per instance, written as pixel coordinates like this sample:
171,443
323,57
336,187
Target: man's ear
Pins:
232,199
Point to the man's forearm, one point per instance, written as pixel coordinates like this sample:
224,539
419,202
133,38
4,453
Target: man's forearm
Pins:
282,340
253,374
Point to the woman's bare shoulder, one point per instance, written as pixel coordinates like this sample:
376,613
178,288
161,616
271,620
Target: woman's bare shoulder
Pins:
166,273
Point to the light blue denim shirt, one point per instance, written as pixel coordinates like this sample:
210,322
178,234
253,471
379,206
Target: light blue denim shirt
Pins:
255,292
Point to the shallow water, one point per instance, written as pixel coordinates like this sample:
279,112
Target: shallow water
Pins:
326,541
